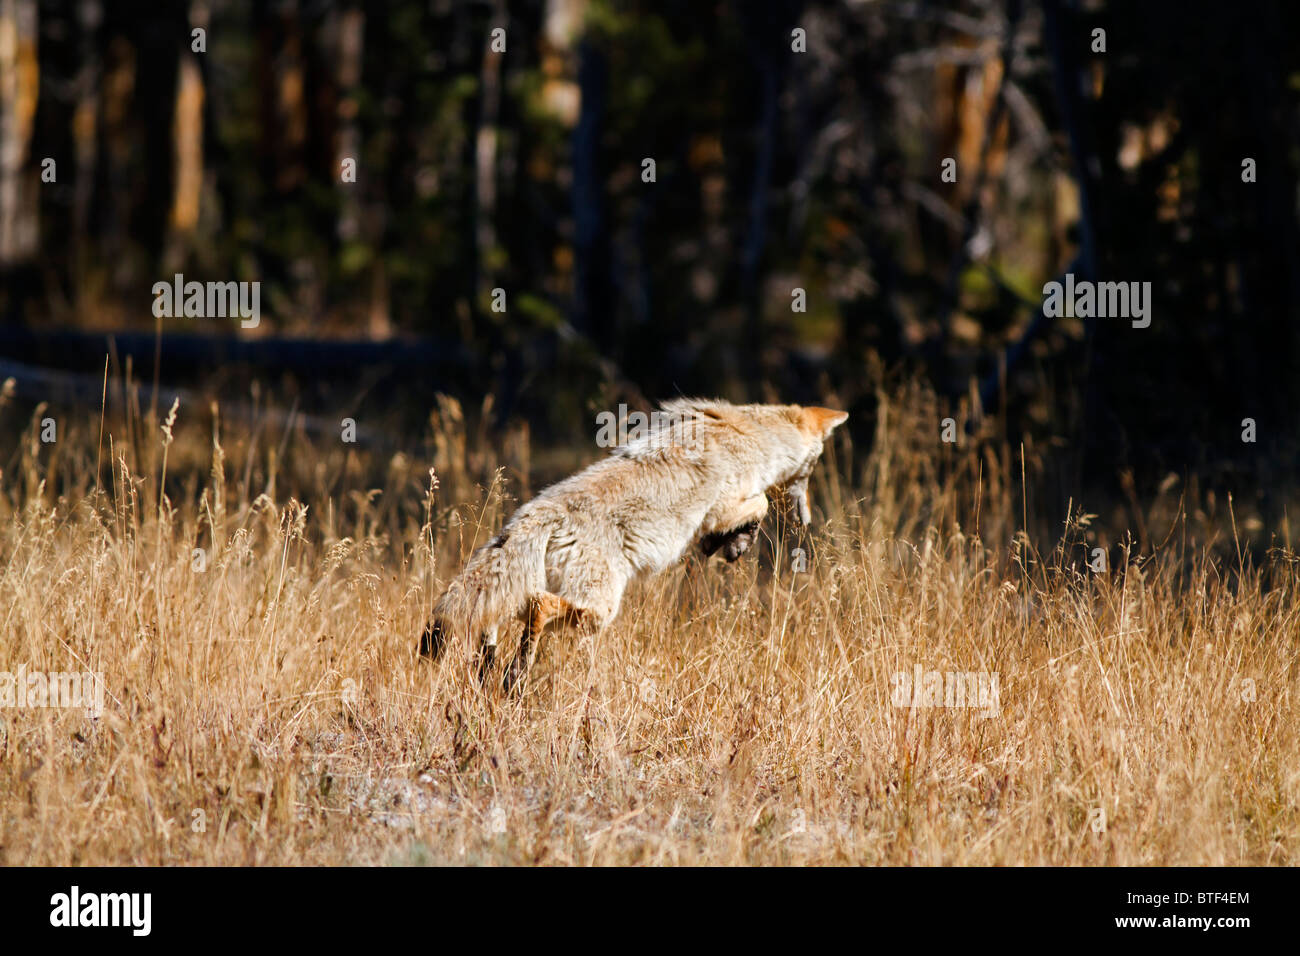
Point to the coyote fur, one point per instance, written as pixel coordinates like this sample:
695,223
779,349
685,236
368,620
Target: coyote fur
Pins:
701,475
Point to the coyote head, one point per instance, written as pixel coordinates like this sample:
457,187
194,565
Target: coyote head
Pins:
781,443
813,426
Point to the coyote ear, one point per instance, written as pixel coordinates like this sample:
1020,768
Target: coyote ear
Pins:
823,421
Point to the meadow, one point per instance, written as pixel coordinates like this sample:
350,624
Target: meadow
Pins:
252,598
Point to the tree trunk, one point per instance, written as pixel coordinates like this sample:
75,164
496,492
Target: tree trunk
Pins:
85,135
187,130
19,85
485,157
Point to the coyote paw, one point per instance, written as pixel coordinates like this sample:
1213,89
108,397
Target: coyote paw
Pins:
732,543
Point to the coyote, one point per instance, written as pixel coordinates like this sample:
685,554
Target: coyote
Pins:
699,475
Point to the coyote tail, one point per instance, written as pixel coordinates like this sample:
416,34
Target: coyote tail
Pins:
494,588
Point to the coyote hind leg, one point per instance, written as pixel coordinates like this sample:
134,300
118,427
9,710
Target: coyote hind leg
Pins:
434,640
542,610
487,654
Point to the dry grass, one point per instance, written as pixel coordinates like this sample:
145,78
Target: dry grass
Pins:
269,709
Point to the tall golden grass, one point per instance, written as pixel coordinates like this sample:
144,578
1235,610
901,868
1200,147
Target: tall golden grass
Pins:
264,704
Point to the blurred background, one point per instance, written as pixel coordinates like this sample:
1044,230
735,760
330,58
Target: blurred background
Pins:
795,146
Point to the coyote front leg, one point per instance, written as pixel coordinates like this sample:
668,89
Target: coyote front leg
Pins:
734,527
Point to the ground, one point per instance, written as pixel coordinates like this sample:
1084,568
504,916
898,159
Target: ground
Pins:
265,702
